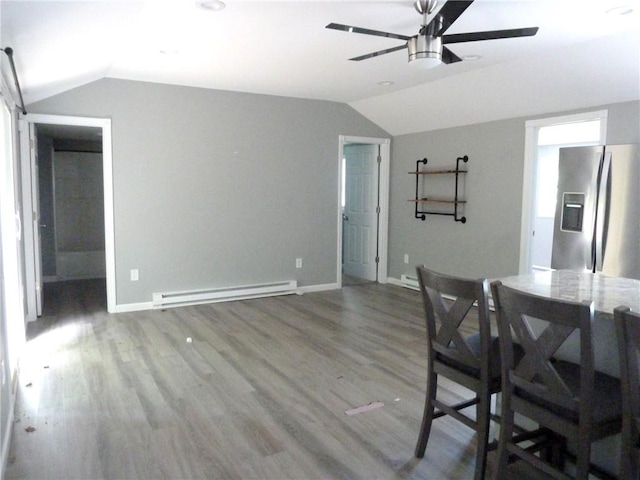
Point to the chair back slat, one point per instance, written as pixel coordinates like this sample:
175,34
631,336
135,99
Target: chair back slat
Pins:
449,334
628,333
562,396
541,326
632,351
445,329
536,364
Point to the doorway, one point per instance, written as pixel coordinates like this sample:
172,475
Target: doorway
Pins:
63,252
544,138
71,201
363,210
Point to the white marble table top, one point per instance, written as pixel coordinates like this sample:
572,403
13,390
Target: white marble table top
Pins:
606,292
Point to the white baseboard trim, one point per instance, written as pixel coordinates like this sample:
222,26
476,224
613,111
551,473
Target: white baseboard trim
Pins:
133,307
318,288
400,283
394,281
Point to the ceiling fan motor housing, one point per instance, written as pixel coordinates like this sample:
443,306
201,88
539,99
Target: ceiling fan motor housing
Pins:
424,46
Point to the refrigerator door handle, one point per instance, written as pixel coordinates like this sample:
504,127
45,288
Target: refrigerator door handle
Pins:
602,211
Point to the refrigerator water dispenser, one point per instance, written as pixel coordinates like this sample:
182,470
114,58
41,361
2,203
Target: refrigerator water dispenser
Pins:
572,211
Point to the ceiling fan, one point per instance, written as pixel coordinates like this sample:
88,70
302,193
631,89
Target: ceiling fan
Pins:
428,47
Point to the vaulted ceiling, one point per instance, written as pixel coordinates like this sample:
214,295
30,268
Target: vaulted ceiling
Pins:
581,55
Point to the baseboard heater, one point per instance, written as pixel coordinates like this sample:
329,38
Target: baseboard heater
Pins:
410,281
225,294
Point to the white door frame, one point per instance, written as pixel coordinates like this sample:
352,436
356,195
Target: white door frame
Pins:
107,167
529,175
383,218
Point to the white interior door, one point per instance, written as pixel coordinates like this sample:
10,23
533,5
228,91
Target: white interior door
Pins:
31,223
35,204
360,213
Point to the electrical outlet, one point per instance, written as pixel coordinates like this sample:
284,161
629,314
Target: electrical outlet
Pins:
298,263
135,275
406,258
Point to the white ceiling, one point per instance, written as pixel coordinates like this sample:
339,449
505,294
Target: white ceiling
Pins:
580,57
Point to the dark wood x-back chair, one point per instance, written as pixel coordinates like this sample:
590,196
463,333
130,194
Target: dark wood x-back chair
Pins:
570,398
472,361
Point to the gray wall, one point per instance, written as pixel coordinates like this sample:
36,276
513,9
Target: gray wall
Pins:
79,214
217,188
488,245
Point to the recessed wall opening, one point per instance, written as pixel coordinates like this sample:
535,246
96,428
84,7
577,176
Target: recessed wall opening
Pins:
544,139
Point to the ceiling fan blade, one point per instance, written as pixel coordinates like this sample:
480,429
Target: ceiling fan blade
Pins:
378,53
448,14
489,35
448,56
366,31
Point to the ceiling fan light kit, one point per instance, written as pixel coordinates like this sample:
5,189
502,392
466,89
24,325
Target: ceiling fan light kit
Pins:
425,51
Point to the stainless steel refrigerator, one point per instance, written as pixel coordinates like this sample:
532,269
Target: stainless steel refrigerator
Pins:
597,222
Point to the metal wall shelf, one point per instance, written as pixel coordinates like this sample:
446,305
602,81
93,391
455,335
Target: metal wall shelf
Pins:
420,201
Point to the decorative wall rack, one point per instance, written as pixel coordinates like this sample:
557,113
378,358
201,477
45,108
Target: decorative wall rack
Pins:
421,201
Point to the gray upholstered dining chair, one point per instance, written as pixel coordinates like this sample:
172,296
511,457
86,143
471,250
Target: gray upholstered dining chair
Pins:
578,403
472,361
628,333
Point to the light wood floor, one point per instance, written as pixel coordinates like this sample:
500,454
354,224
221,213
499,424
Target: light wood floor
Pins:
260,392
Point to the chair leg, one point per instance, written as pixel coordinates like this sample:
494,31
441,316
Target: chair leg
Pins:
582,462
506,433
483,412
634,467
558,450
427,416
629,456
625,460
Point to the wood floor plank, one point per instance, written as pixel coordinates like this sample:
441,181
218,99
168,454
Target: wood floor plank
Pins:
259,392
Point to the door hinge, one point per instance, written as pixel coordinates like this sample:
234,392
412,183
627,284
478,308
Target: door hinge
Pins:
377,259
378,209
379,159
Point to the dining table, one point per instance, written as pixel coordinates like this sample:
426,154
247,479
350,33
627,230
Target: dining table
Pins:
606,292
